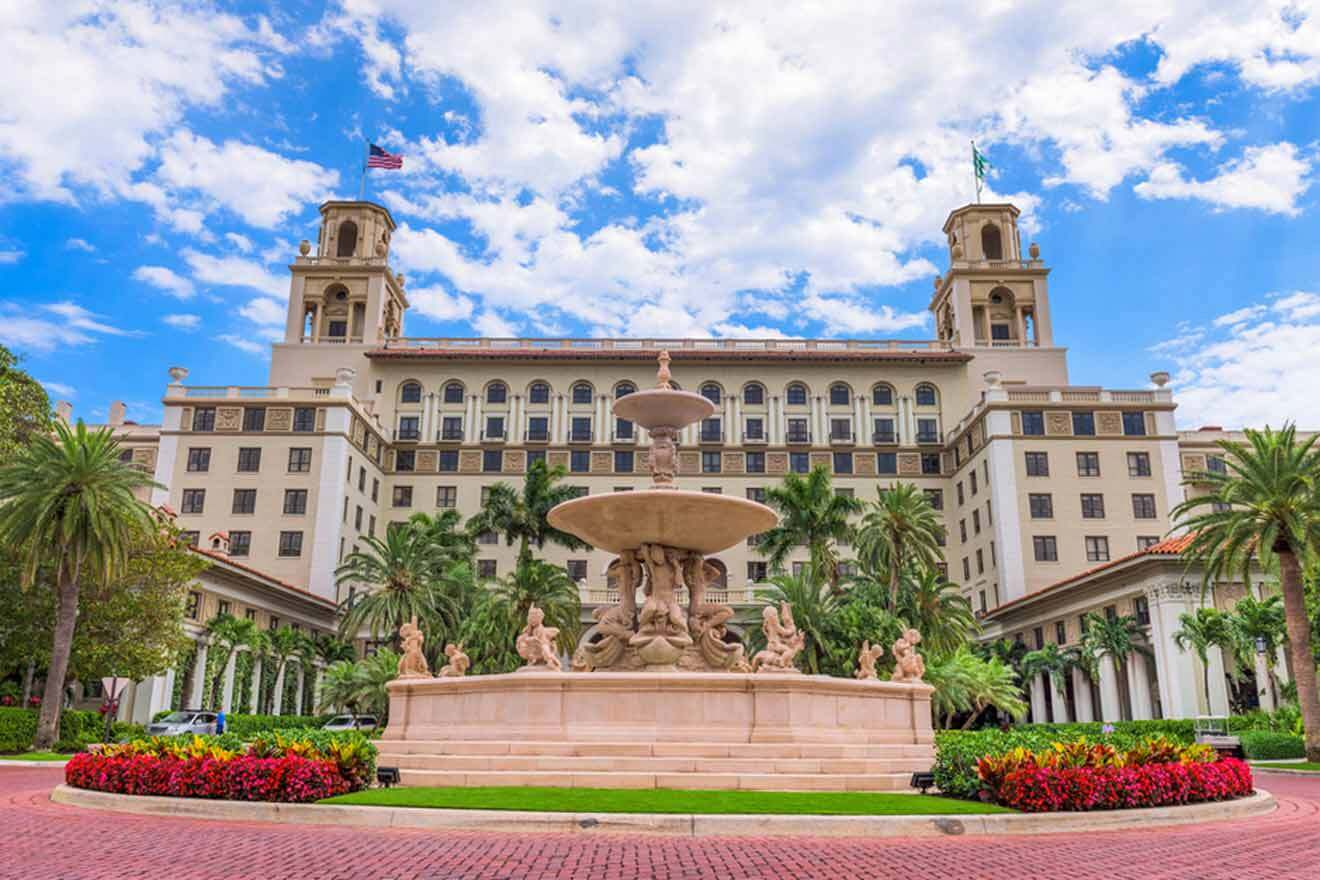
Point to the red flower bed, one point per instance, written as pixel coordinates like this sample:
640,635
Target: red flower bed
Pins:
1036,789
289,779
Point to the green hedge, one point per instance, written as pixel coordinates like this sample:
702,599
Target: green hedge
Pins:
18,728
246,725
1267,745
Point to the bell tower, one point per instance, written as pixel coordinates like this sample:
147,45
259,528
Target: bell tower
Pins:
345,293
991,296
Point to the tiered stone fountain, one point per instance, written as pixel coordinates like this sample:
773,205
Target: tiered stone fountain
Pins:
660,699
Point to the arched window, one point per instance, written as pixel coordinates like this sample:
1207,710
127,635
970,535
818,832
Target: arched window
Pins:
411,392
926,395
882,395
623,389
711,392
582,392
796,395
991,243
754,394
497,392
840,394
539,392
454,392
347,239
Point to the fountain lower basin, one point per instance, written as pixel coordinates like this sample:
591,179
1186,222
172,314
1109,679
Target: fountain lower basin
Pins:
700,521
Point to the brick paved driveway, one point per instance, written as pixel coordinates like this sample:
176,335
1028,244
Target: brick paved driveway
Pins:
40,840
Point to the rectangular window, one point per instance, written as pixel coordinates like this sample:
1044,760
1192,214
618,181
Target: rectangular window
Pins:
840,429
936,498
710,462
492,461
1141,610
446,497
1097,549
999,332
199,460
962,499
1143,506
295,501
756,493
189,538
487,568
300,460
1038,464
494,427
1041,505
1134,424
976,522
712,490
538,429
884,431
240,543
1215,464
928,431
755,429
204,418
843,463
405,461
1147,541
194,606
1088,464
577,569
371,526
410,428
402,496
580,431
799,462
290,544
797,431
533,456
254,418
757,571
448,459
1084,424
930,463
1046,548
755,462
1033,423
304,418
451,428
971,482
967,569
579,461
1138,464
1093,505
193,501
1038,637
375,489
886,463
623,429
249,459
712,431
1060,633
962,530
623,461
357,518
245,501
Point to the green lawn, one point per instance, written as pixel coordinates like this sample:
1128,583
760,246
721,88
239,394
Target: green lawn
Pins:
617,800
1311,766
36,756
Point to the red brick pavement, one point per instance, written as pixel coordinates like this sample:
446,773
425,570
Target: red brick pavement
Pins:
41,840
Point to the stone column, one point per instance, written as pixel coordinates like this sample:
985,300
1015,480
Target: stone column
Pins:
317,683
601,432
813,420
254,698
868,423
298,697
1039,715
1060,701
1082,689
149,696
470,426
227,684
1218,684
513,427
772,415
859,421
277,706
735,427
1110,700
1175,670
554,418
198,676
1139,688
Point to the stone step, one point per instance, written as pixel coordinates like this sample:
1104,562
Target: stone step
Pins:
628,764
896,782
811,751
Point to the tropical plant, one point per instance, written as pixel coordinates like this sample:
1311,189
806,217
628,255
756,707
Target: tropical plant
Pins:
814,603
227,634
1118,638
813,515
68,500
445,533
283,645
1260,622
359,686
329,648
522,517
965,682
938,610
1052,662
1264,506
489,633
1200,631
548,587
900,530
408,576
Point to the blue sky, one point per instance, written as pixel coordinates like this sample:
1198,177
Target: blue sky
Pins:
703,168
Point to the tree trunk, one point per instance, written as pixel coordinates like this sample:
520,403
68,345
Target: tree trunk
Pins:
66,618
1299,646
893,583
1205,677
28,675
971,719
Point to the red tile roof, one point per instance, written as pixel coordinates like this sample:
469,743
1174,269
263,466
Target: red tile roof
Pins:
1173,546
228,560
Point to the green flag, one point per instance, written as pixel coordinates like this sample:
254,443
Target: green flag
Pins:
979,163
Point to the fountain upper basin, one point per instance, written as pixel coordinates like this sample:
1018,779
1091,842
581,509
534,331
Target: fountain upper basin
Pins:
700,521
663,408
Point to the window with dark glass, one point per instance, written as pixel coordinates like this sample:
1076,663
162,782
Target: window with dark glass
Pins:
1093,505
290,545
488,538
401,496
1213,463
962,499
577,569
843,463
1097,549
539,392
1138,464
199,459
240,543
204,418
304,419
535,455
840,395
1033,423
797,431
357,518
886,462
1145,542
840,429
446,497
448,460
300,460
405,461
1046,548
623,429
453,393
1060,633
936,498
192,501
980,561
755,429
494,427
711,392
486,568
925,395
194,606
882,395
757,571
928,431
962,530
930,463
1143,506
582,393
710,462
755,462
756,493
976,522
254,418
410,393
497,392
623,461
799,462
451,428
1084,424
967,568
579,461
884,431
538,428
249,459
753,395
580,429
711,431
623,389
492,460
409,428
1141,610
245,501
796,395
1038,464
1134,424
1088,464
1041,505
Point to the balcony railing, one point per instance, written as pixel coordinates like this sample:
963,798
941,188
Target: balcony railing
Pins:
408,435
535,436
451,434
928,437
492,435
884,438
841,437
579,436
709,436
798,436
654,344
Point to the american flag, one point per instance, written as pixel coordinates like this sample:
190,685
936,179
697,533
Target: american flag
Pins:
378,158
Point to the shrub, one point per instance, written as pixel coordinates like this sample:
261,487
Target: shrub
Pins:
1265,745
957,752
247,725
1035,789
18,728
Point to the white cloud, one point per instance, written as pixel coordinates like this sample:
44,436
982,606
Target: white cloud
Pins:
436,303
80,244
183,321
489,323
165,279
59,388
1254,372
27,328
264,311
242,242
236,272
245,344
9,257
1270,179
81,319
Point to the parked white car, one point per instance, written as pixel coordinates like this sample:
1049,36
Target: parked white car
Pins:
185,722
364,723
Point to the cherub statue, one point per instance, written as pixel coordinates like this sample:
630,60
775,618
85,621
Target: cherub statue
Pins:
615,626
663,455
866,660
627,574
662,614
662,375
458,663
698,575
783,640
413,662
908,665
707,624
536,643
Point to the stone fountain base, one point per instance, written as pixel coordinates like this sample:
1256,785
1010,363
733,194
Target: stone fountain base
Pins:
659,730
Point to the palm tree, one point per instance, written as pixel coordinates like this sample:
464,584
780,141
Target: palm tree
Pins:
359,686
445,533
284,644
1264,506
69,501
1052,662
938,610
409,575
1119,637
522,517
810,514
964,682
340,687
228,634
899,530
1205,629
549,588
814,604
1260,622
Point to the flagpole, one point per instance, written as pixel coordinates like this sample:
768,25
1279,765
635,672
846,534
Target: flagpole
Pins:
362,185
976,178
